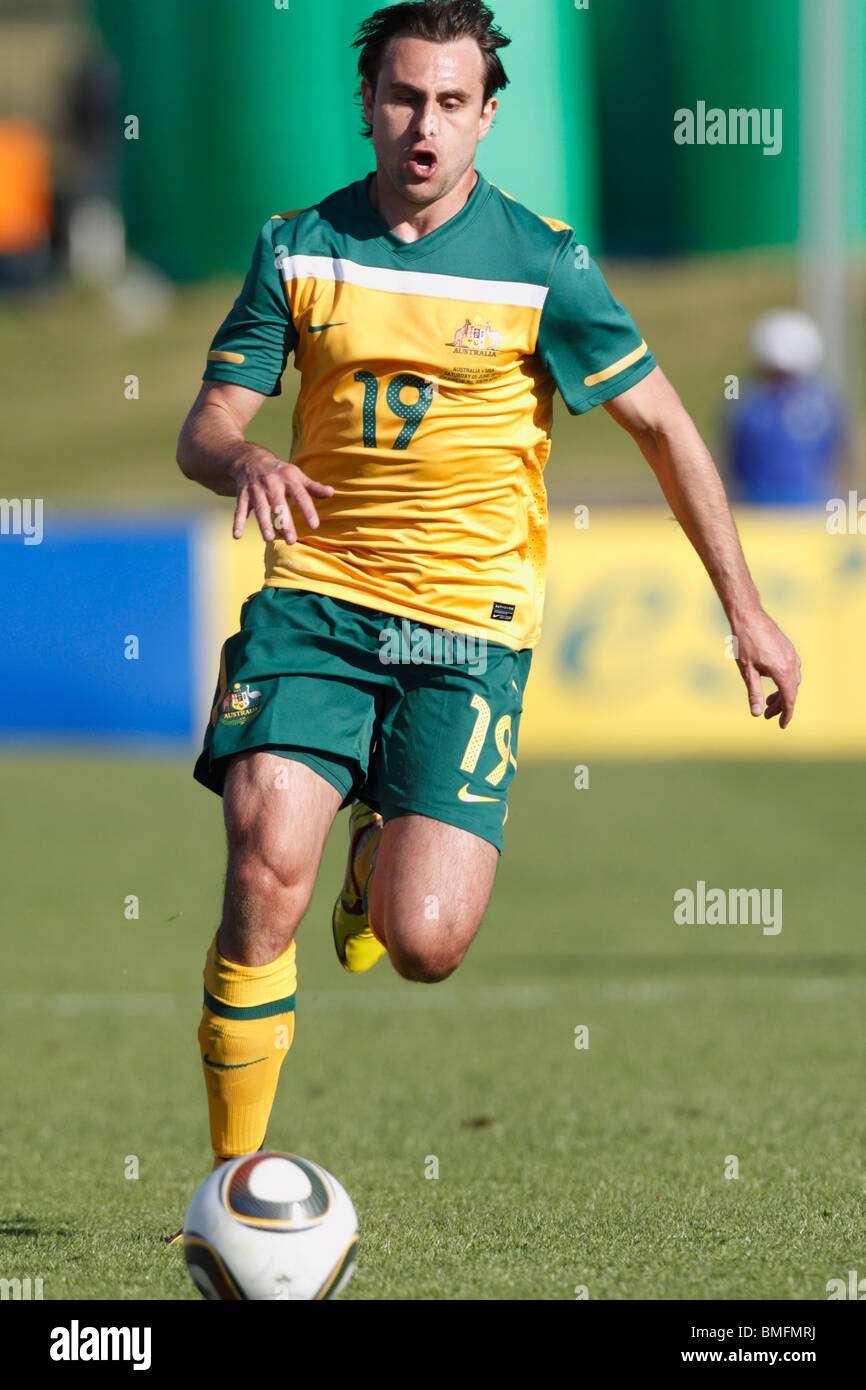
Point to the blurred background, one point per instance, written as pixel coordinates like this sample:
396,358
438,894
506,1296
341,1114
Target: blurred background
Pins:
142,145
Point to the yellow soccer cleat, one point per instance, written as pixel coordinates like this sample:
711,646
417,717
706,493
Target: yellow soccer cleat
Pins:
356,945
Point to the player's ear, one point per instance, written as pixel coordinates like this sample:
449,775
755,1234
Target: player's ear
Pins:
368,99
488,111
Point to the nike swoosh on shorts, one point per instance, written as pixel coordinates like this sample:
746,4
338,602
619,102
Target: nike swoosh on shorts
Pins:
465,794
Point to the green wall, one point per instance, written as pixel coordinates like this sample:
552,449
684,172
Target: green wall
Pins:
246,110
650,60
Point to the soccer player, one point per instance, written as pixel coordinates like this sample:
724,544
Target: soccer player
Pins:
382,665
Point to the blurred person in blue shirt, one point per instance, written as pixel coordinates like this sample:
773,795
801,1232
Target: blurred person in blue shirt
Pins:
787,434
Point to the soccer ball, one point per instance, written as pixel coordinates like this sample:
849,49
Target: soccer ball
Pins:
270,1225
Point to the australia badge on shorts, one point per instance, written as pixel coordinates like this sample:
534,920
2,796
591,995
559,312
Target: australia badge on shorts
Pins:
240,704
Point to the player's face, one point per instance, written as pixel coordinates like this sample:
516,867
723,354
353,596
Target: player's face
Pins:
428,115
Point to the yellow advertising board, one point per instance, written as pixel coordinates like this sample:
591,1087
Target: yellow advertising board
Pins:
636,660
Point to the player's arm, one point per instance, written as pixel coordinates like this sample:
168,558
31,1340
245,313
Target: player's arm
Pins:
652,413
213,450
244,367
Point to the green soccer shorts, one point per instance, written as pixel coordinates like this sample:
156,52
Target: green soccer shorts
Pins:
410,718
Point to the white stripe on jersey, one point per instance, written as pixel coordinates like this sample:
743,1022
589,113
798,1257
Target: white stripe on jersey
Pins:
504,292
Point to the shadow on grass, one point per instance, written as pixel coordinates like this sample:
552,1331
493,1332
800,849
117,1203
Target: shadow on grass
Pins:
24,1226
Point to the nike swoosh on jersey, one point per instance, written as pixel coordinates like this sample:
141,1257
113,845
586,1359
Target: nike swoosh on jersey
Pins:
231,1066
320,328
465,794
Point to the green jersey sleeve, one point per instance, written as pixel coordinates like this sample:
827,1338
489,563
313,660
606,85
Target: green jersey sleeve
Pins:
586,339
253,343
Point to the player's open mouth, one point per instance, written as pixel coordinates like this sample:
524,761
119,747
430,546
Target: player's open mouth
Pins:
422,163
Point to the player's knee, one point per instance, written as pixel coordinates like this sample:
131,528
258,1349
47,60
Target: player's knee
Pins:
258,888
422,968
263,905
426,959
251,875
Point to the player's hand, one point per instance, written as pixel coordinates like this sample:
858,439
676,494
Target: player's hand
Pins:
270,488
764,650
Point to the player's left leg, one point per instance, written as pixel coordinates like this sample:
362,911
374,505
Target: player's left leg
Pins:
431,885
442,771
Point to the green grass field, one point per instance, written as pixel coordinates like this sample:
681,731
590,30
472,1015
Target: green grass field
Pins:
558,1167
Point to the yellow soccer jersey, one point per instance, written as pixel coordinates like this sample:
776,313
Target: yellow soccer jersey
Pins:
427,378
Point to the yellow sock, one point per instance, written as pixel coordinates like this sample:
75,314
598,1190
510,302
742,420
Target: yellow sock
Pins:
246,1029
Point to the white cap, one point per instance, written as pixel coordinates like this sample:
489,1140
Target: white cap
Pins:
787,340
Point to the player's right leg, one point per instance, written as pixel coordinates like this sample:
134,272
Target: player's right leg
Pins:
277,813
288,741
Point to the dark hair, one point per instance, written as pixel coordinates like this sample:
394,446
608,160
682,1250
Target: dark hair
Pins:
439,21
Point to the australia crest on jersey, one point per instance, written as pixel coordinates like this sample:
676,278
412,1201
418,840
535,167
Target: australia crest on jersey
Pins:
476,336
240,704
